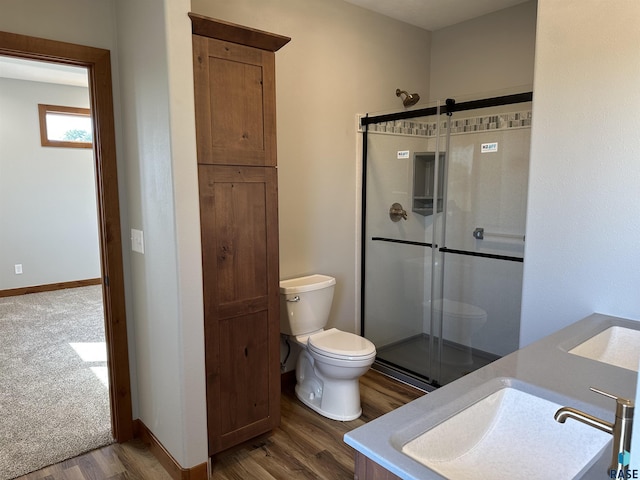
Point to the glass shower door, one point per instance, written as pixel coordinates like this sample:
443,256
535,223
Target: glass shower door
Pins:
481,243
401,203
444,201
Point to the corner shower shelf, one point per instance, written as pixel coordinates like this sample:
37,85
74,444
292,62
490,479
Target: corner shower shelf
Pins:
424,205
424,171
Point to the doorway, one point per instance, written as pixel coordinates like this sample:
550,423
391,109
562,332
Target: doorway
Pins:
98,65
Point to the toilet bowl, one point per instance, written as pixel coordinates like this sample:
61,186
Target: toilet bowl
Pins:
331,361
459,322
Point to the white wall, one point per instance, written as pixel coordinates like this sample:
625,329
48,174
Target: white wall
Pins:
342,60
90,23
583,220
76,21
47,194
492,53
635,434
154,48
187,225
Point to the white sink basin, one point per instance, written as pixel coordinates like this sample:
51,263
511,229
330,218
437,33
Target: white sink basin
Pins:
510,434
618,346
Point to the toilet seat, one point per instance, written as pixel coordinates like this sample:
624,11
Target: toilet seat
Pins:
334,343
459,309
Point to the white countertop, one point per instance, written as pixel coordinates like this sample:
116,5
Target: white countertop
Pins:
544,366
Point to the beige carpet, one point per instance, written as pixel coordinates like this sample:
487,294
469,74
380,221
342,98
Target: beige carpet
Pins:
54,400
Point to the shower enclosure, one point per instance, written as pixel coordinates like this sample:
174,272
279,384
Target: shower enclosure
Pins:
444,201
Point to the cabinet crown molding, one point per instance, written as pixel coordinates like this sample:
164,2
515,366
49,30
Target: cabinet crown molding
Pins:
231,32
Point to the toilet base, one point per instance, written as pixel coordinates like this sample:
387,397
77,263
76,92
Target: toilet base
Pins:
337,399
315,403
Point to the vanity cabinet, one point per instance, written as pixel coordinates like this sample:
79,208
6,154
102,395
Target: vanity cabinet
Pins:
234,86
367,469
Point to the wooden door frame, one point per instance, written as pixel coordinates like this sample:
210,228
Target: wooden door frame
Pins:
97,61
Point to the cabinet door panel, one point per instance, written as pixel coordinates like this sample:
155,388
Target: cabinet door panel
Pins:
239,225
236,107
239,222
241,242
235,103
244,389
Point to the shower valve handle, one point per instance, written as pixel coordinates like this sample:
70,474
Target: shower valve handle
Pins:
396,212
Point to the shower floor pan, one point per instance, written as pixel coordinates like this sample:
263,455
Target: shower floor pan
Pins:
411,356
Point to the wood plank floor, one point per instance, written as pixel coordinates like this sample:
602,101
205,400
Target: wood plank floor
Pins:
305,446
127,461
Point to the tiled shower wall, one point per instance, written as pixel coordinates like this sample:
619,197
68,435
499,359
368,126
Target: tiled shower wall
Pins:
461,125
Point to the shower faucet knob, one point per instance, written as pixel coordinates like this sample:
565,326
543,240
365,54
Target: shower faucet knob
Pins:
396,212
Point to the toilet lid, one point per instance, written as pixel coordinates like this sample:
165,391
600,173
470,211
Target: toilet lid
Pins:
336,343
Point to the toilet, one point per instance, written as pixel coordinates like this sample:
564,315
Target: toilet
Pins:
459,322
331,361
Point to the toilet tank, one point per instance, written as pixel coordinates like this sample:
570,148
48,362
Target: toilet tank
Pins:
305,303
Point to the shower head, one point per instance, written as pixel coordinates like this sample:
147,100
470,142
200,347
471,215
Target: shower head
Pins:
410,99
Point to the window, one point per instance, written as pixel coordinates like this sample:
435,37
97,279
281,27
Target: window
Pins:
65,126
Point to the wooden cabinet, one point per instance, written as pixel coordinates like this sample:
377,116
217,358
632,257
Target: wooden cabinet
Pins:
367,469
234,81
235,109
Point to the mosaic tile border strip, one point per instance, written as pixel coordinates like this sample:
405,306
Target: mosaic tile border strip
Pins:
502,121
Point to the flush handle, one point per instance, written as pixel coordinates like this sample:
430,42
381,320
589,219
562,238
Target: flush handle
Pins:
294,299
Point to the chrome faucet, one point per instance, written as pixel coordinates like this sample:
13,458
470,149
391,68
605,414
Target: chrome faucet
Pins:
620,429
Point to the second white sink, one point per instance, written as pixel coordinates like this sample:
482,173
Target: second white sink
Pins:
509,434
616,346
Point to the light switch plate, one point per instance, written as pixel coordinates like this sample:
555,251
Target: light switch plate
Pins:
137,241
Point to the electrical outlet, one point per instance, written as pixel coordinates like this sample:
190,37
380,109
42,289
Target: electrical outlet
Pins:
18,268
